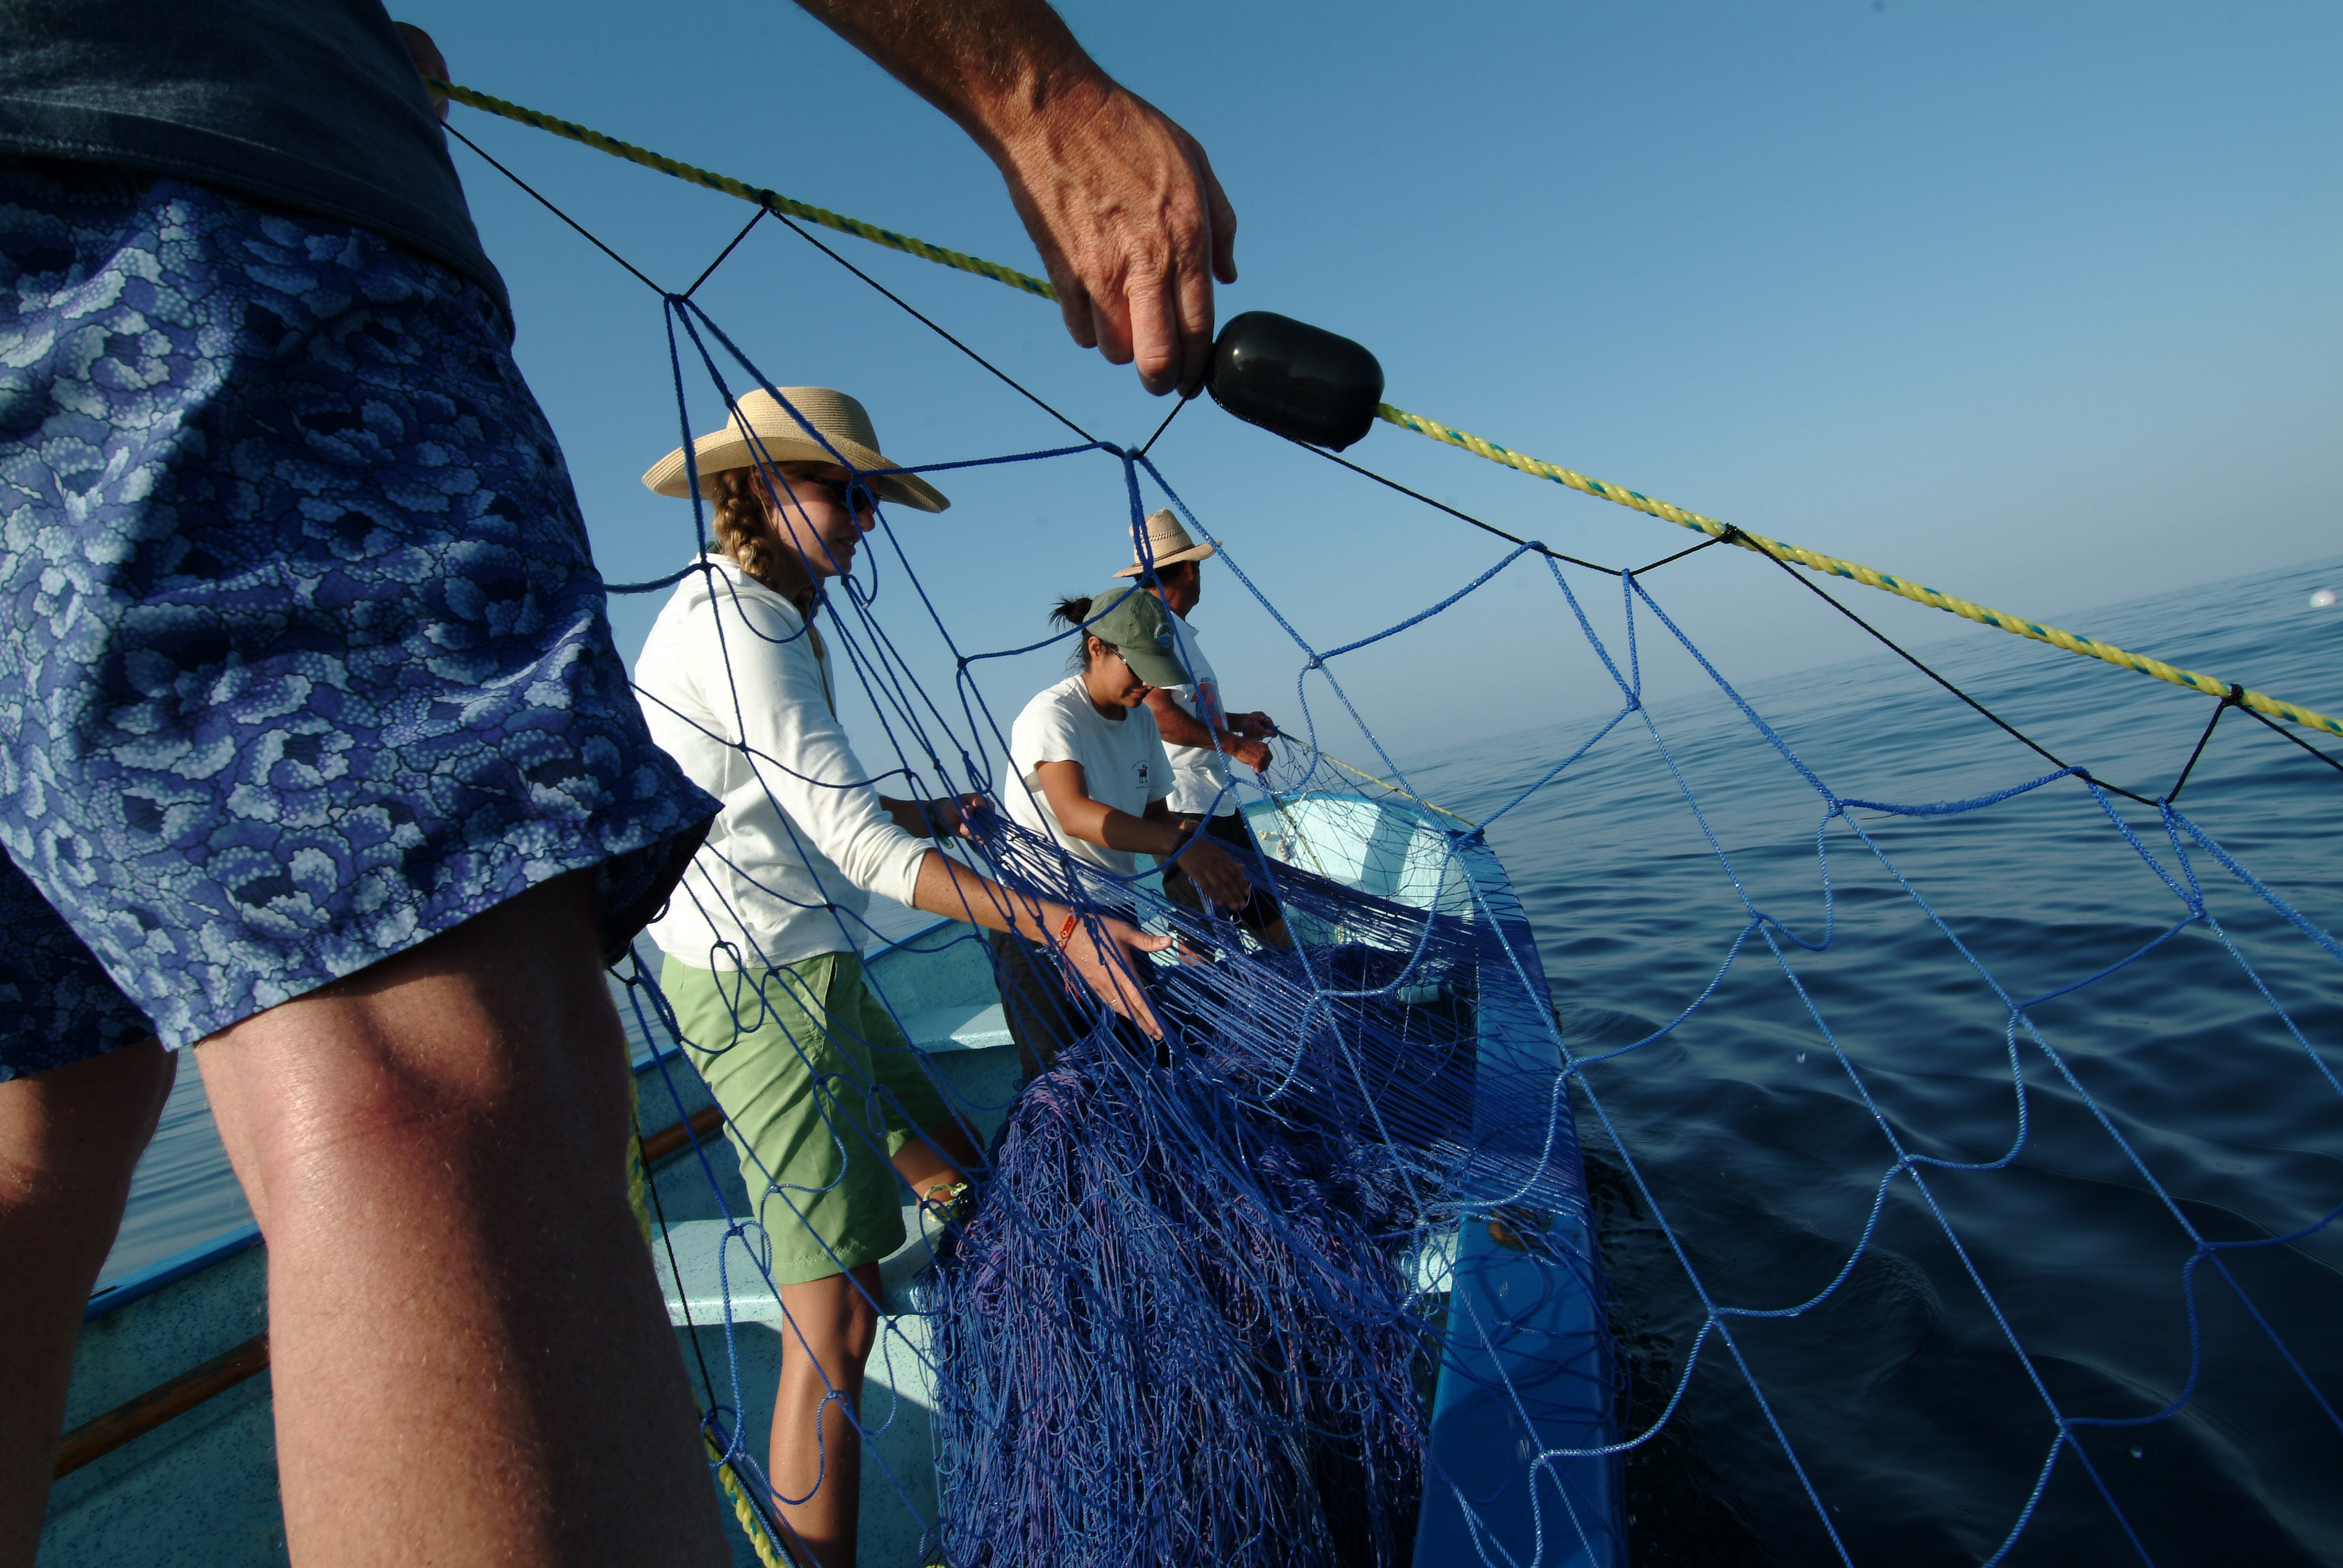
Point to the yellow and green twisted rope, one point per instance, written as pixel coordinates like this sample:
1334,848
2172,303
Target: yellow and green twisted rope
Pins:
1387,784
1856,572
1813,560
760,1539
772,201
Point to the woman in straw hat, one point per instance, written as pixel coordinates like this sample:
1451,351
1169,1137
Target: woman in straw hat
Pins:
825,1100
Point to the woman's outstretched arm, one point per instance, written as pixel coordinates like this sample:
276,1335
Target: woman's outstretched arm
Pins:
1104,951
1156,834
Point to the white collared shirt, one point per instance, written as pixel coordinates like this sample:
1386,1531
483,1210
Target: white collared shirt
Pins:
802,840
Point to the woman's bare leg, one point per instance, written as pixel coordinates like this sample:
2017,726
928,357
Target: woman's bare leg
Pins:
471,1358
945,1155
69,1141
816,1456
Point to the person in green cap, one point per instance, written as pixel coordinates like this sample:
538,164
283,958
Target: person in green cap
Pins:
1091,774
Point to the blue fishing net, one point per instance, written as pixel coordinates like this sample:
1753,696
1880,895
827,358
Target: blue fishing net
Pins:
1200,1313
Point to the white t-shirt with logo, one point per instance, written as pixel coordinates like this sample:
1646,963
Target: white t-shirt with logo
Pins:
1122,759
1200,775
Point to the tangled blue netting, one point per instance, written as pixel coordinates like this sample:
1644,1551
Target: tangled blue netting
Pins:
1199,1313
1135,1375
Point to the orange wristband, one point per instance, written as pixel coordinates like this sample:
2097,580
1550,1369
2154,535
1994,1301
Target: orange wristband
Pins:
1073,919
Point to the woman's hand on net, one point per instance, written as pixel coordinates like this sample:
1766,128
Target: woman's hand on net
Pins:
1215,875
951,816
1105,952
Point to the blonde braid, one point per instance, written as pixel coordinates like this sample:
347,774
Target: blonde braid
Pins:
744,530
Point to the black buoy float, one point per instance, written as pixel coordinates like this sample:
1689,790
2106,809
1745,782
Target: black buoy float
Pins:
1296,379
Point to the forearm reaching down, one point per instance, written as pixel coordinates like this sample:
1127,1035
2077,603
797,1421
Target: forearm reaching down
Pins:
1180,727
1121,202
1157,833
1104,951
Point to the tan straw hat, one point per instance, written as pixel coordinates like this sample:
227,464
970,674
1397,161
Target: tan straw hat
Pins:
1169,544
779,439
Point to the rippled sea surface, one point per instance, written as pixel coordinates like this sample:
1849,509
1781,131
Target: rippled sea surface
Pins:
2166,1102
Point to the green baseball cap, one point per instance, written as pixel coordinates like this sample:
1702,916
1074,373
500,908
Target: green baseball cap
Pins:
1139,628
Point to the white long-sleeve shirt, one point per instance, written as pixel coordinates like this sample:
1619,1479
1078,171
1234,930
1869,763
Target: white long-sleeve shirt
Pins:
802,838
1200,775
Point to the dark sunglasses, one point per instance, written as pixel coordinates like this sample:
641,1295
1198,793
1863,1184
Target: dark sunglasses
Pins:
842,492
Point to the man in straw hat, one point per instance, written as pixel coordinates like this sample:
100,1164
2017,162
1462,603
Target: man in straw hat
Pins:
762,937
1199,735
331,766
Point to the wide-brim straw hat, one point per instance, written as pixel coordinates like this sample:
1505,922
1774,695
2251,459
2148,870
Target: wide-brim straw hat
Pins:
1169,544
762,431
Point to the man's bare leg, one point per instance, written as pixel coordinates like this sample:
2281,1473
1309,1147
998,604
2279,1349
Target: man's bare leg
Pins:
69,1141
817,1451
471,1361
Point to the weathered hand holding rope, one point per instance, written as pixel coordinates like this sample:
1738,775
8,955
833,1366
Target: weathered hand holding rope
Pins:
1813,560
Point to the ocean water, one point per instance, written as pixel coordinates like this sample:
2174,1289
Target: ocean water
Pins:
1746,1147
1738,1156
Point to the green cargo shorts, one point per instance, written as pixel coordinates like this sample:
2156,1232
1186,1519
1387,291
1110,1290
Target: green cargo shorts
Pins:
793,1055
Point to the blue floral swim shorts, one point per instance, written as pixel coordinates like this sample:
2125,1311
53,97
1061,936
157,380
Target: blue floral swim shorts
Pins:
303,657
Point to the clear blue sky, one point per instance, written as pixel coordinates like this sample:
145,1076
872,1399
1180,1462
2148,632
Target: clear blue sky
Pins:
2035,303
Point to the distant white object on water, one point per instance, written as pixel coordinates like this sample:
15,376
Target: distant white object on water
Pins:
2323,599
